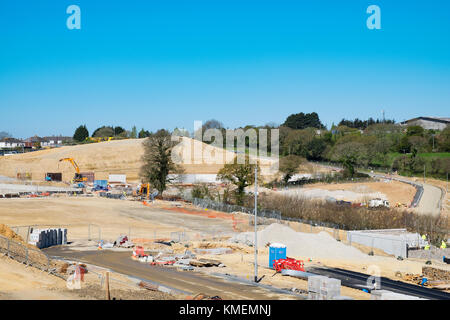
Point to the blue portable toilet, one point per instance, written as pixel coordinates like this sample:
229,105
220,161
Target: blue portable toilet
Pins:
276,251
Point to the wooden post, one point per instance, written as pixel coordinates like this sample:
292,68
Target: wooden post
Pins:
108,297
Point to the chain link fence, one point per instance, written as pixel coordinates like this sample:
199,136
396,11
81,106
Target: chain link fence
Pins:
94,232
24,254
219,206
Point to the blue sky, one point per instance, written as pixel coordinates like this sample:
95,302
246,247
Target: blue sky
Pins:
164,64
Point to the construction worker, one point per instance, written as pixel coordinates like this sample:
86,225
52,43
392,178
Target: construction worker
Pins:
443,245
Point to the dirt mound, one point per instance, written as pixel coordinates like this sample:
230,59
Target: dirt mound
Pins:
114,157
7,232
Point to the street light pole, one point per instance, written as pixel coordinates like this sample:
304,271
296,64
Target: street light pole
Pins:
256,230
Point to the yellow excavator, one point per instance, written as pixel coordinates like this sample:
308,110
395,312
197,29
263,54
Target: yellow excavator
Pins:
144,190
78,177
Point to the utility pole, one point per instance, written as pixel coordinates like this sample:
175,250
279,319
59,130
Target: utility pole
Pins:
107,294
256,230
423,173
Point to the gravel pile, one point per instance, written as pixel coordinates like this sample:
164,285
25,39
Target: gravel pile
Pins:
302,245
336,194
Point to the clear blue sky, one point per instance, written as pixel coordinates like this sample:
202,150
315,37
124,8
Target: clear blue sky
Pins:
163,64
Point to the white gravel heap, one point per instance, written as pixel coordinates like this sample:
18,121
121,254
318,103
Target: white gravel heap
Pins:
336,194
302,245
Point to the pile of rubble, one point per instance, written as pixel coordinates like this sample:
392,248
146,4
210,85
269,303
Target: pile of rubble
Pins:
185,261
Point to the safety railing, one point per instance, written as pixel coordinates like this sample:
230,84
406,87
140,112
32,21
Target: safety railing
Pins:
24,254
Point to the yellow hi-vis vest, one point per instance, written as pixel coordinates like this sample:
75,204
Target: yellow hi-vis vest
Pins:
443,245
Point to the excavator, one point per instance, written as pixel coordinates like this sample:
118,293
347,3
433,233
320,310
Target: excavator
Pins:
78,177
143,191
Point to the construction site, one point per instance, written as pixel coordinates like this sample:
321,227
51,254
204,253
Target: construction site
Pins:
77,223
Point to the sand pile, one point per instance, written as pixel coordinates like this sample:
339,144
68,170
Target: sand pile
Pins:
336,194
116,157
7,232
302,245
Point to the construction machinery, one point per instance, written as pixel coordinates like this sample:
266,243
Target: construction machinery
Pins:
144,190
78,177
378,203
98,139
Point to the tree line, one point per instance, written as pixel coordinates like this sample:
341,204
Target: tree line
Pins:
82,133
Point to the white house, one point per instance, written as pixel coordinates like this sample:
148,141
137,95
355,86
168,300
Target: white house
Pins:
53,141
11,143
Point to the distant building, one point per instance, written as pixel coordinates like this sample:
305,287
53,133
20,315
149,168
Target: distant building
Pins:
11,143
54,141
428,123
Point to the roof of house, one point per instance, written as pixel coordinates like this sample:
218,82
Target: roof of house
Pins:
11,140
434,119
56,138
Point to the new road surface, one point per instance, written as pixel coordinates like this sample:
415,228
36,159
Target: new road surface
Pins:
188,282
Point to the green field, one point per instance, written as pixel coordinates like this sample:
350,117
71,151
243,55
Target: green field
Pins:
435,155
392,155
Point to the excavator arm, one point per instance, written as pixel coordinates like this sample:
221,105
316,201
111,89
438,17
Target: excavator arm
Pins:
78,177
77,169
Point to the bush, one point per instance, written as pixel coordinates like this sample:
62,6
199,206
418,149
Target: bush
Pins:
355,218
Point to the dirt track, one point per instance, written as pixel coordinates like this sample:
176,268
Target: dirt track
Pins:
186,281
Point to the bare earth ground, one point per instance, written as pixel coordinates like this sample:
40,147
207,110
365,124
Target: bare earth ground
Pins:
119,217
394,190
19,282
115,157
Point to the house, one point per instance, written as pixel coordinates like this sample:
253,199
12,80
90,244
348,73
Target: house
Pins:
11,143
428,123
51,141
54,141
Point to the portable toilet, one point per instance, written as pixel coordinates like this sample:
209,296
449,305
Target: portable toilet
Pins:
276,251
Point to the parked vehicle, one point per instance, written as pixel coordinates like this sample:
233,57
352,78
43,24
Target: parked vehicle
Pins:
378,203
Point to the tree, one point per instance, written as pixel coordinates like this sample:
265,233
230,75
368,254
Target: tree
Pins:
133,134
443,140
419,143
414,131
157,160
404,146
303,121
289,166
241,175
81,133
212,124
315,149
37,145
4,135
350,154
103,132
118,130
143,134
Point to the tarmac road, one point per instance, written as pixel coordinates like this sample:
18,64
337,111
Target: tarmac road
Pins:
429,204
187,281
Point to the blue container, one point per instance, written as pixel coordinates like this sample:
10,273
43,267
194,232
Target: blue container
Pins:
276,251
101,183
